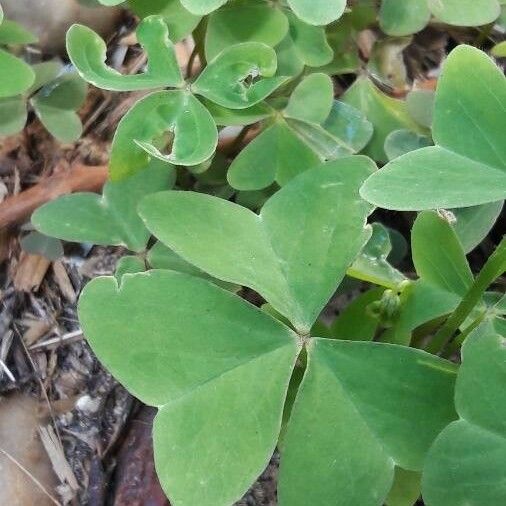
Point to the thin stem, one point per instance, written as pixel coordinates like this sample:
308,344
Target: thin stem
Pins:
493,268
455,345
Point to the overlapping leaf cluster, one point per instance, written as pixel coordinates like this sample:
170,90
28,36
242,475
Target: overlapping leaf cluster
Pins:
360,413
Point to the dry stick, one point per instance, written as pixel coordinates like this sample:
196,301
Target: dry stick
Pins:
30,475
18,208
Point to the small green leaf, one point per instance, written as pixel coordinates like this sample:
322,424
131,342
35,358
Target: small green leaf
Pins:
45,72
159,334
470,13
420,105
279,253
270,157
406,488
312,99
67,91
63,125
237,117
87,52
465,464
400,142
13,33
355,417
13,114
318,12
128,265
202,7
385,113
238,22
110,219
438,255
144,129
499,50
17,76
403,18
36,243
224,80
467,166
180,21
355,322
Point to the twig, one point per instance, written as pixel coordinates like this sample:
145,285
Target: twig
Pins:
18,208
56,341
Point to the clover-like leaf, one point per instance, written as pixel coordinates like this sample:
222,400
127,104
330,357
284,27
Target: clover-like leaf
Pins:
400,142
225,79
13,33
384,112
13,115
244,21
202,7
64,125
294,253
403,18
17,76
143,131
475,445
110,219
318,12
353,421
201,355
180,21
87,51
468,164
465,13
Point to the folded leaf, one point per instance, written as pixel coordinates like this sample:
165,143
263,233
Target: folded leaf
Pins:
224,80
110,219
355,417
294,254
318,12
87,51
468,165
202,360
146,125
465,464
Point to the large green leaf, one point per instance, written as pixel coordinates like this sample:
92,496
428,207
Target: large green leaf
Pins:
180,21
202,356
225,79
465,13
318,12
17,76
465,465
142,133
403,18
385,113
110,219
87,50
468,164
244,21
438,255
354,419
294,253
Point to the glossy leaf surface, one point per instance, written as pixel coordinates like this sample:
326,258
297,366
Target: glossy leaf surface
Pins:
87,51
468,164
202,373
278,253
355,412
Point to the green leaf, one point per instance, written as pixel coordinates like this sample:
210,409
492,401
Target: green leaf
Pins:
372,264
318,12
181,22
36,243
65,92
438,255
141,133
110,3
406,488
17,76
355,418
420,105
63,125
110,219
467,166
128,265
269,157
13,33
465,464
238,22
403,18
499,50
13,115
294,254
202,7
470,13
400,142
238,117
385,113
225,79
473,224
312,99
87,51
45,72
212,436
355,322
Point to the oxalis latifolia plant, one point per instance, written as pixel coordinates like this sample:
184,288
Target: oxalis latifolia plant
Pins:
366,411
